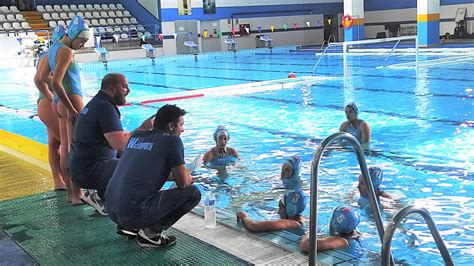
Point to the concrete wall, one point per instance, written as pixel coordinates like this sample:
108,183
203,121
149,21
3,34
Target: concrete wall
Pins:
263,14
404,12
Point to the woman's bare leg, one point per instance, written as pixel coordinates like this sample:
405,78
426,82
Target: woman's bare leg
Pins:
50,119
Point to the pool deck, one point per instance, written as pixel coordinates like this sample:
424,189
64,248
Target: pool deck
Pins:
229,236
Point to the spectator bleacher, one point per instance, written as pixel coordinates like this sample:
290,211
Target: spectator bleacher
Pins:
106,19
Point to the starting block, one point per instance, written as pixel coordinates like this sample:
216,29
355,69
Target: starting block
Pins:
231,44
150,52
193,48
103,55
267,41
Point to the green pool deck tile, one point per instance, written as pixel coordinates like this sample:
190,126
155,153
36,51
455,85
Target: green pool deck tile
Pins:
54,232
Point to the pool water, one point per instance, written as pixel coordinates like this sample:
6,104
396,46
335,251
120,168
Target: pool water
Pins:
422,134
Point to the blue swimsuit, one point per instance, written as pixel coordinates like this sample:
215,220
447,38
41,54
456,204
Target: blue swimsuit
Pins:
355,132
222,161
72,79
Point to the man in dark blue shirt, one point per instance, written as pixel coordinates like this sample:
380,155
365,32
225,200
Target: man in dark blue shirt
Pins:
98,135
134,195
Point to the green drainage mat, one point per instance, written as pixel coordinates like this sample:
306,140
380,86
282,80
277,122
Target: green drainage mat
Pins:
54,232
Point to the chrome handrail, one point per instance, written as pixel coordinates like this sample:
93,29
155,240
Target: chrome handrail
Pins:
392,225
313,222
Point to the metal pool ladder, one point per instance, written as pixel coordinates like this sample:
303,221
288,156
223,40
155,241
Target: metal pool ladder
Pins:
387,239
330,45
313,222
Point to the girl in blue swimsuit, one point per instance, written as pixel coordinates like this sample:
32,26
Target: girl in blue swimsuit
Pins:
46,112
66,82
220,155
355,126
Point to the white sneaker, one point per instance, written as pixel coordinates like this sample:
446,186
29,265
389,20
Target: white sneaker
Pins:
93,200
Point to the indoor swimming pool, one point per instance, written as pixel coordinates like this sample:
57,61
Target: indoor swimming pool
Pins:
422,133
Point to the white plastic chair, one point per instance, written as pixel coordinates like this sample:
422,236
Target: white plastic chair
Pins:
55,16
46,16
11,17
117,30
112,6
71,15
73,7
126,21
3,18
110,21
80,14
19,17
53,24
119,14
25,25
16,26
104,14
57,8
103,22
81,7
14,9
40,8
109,30
124,29
4,9
65,8
126,13
7,26
123,36
118,21
133,21
95,22
61,22
140,28
95,14
119,6
97,7
64,16
111,14
48,8
89,7
105,6
88,14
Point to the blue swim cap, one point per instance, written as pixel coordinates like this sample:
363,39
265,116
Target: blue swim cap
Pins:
218,130
58,33
343,221
354,107
294,181
295,202
76,26
376,175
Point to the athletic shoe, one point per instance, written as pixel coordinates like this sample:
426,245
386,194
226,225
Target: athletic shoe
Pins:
126,231
157,241
93,200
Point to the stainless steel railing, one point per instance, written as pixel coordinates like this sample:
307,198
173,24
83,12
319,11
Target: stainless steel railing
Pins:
314,188
387,239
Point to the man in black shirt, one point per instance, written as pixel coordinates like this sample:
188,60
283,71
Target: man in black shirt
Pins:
98,135
134,195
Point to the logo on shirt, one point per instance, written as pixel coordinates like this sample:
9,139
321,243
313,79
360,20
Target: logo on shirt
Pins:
85,110
136,145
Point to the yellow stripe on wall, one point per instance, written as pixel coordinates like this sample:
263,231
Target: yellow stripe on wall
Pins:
357,21
427,17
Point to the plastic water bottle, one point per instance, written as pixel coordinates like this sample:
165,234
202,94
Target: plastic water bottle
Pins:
210,210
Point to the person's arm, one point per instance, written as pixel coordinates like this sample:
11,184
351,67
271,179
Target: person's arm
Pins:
332,242
208,156
343,126
181,176
63,59
233,152
365,132
118,139
43,77
263,226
